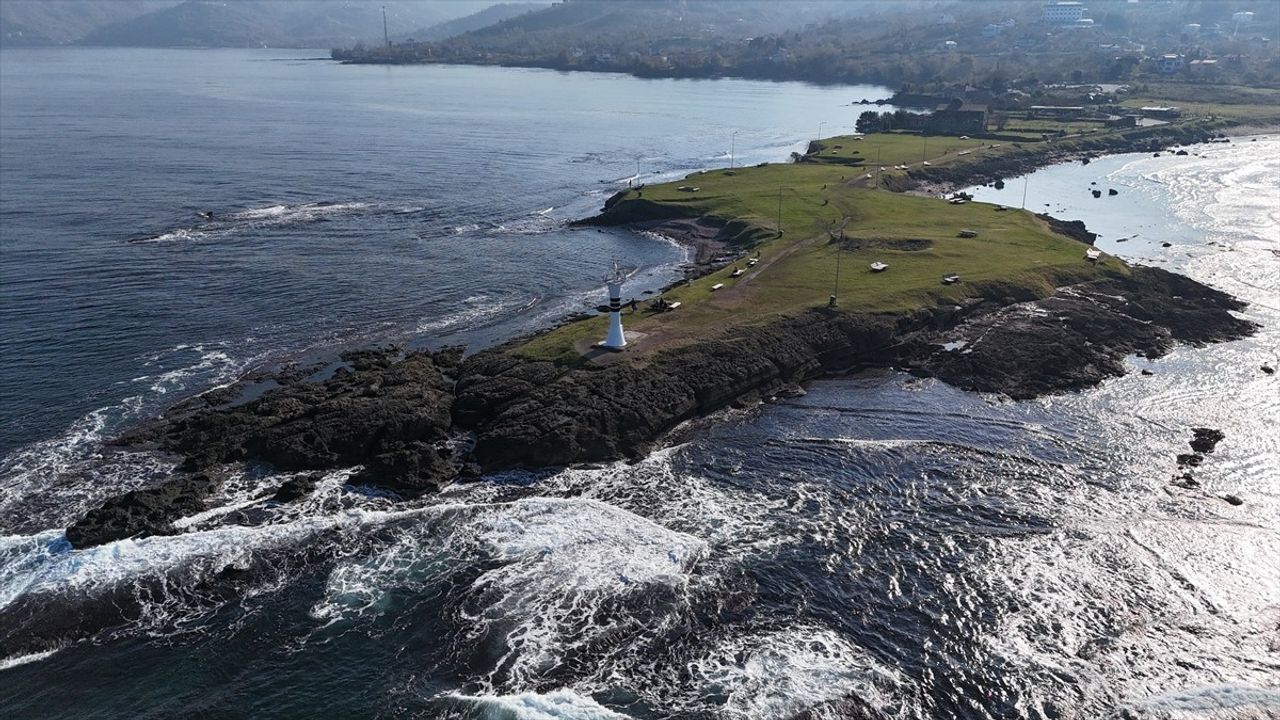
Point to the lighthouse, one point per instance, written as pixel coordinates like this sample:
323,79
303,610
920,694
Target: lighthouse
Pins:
616,339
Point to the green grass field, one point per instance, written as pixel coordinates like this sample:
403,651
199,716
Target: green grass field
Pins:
797,268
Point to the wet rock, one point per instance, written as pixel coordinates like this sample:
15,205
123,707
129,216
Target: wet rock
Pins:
1166,244
596,414
383,410
1147,372
1074,229
1206,439
1233,499
1268,370
1112,192
1186,480
1190,459
1081,335
296,488
1096,193
141,513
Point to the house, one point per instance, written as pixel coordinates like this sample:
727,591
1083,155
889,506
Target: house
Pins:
1057,112
1161,112
997,29
1064,12
1169,64
957,118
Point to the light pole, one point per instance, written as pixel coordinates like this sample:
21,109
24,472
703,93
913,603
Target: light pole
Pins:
820,129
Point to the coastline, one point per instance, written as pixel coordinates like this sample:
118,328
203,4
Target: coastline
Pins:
401,416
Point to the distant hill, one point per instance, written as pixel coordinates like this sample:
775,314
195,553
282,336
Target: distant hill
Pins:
223,23
475,21
61,22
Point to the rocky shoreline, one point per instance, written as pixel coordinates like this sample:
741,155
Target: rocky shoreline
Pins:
989,170
415,421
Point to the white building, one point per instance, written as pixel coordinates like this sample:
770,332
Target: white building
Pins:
997,29
1064,12
615,340
1170,64
1242,18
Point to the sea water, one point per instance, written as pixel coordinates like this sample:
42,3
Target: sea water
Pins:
882,545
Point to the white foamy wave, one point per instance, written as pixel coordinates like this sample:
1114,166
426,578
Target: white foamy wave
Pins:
557,564
179,235
16,660
477,310
45,563
555,705
52,480
781,674
1222,702
284,214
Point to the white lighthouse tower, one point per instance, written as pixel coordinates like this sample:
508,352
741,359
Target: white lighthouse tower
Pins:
616,339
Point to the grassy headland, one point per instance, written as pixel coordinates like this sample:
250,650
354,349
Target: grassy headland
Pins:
833,210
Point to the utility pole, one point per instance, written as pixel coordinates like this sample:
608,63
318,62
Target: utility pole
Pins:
820,129
385,36
779,211
924,154
879,167
1026,180
835,293
733,145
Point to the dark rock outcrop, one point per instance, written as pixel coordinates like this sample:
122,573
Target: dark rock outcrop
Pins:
296,488
391,414
140,513
1080,335
1206,439
1074,229
535,414
394,414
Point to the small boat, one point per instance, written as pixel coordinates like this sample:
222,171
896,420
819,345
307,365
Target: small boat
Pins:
926,163
736,272
878,267
951,279
752,262
717,286
1092,254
